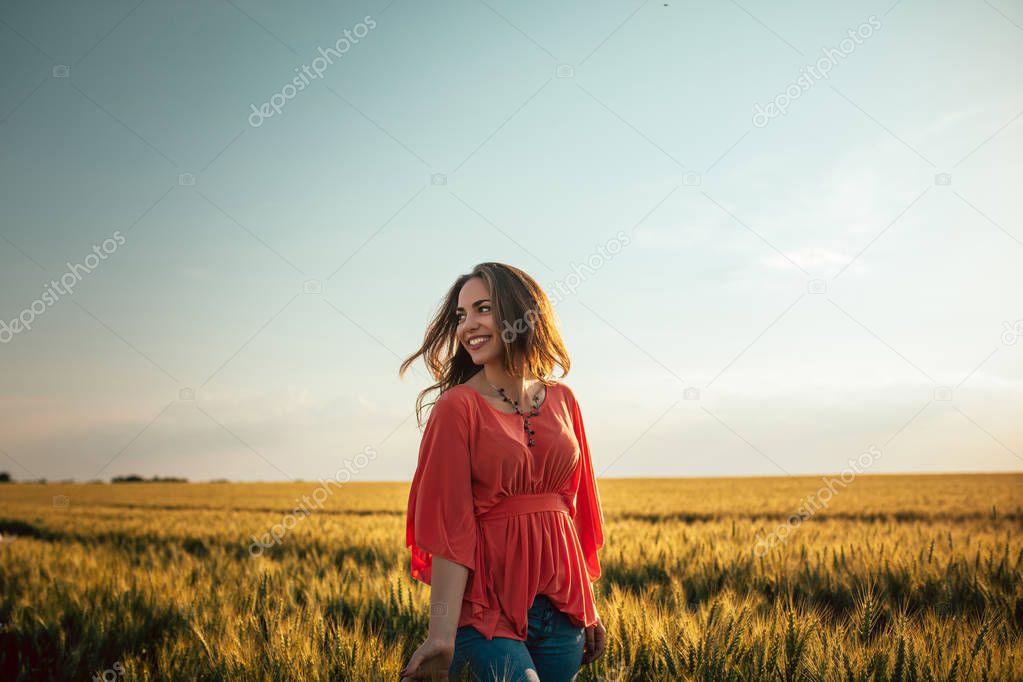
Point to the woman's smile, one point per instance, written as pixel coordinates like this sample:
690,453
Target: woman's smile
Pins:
477,341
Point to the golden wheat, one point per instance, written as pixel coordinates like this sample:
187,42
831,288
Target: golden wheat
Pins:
897,577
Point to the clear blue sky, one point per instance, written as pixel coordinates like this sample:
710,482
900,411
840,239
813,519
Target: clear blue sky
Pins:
819,277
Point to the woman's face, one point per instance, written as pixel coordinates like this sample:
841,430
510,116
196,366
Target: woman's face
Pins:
476,322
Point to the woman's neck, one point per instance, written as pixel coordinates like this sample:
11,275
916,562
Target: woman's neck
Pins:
515,387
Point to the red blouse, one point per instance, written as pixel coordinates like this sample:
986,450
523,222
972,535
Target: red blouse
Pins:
524,521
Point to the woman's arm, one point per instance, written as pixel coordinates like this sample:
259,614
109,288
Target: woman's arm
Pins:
432,660
440,531
446,591
587,511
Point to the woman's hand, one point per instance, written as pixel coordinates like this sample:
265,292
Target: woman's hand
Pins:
430,661
596,638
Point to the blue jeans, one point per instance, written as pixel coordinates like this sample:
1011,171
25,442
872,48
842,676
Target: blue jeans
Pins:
552,652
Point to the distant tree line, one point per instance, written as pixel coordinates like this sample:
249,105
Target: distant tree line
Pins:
134,478
5,477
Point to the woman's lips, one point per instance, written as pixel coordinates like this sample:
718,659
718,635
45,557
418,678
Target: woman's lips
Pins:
480,345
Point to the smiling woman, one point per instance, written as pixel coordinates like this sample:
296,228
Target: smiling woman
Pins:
496,482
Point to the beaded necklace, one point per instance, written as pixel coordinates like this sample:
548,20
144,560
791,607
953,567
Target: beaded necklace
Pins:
525,417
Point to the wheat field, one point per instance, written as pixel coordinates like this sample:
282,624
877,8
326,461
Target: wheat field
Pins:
894,578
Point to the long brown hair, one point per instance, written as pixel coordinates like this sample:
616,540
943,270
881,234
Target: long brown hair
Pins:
521,310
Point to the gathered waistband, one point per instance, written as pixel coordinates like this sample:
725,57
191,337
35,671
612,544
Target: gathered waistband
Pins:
525,504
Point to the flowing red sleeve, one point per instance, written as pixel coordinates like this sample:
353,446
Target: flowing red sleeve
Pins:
440,518
587,512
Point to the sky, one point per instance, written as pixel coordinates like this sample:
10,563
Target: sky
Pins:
776,236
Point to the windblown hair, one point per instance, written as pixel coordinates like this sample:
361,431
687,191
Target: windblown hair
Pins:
526,325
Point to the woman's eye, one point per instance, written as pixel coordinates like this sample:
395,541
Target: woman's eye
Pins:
458,317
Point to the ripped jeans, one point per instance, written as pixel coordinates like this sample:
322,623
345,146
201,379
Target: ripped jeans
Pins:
552,652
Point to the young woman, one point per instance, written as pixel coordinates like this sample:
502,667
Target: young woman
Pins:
504,518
